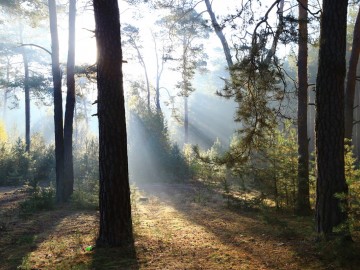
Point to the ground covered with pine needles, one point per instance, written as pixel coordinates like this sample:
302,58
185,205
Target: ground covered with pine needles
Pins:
176,226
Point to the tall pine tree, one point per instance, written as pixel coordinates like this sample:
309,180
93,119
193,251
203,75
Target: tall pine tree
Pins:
114,197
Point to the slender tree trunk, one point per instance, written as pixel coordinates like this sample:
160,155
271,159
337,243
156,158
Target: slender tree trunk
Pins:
186,88
27,101
159,71
58,110
114,197
186,120
311,121
351,80
6,91
76,125
219,33
303,198
356,128
279,30
26,90
142,63
70,105
330,118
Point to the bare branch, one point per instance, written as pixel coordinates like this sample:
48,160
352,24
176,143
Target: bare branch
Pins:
37,46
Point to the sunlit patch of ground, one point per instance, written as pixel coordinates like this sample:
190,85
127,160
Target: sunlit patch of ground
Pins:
177,226
186,234
64,244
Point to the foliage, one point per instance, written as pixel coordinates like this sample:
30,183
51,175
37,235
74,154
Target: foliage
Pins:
3,134
151,154
271,171
86,173
255,85
187,27
19,167
206,164
352,175
279,174
40,199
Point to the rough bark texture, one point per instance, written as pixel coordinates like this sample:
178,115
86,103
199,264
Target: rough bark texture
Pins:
303,202
329,125
219,33
114,197
70,105
58,111
351,80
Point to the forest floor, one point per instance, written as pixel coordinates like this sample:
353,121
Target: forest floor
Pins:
176,226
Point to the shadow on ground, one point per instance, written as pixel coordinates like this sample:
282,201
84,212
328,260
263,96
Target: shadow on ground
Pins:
114,258
274,240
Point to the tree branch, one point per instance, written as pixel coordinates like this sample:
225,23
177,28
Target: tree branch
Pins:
37,46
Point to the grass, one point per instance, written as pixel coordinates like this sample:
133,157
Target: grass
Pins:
173,230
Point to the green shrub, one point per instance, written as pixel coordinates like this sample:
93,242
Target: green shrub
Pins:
86,174
270,169
40,199
152,156
17,166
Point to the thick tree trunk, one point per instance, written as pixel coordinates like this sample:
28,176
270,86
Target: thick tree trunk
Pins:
303,202
70,105
351,80
58,110
219,33
330,118
114,197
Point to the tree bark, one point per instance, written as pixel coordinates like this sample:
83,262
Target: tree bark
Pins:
186,120
142,63
6,90
219,33
351,80
27,101
303,202
58,110
70,105
114,197
159,71
279,30
26,91
330,118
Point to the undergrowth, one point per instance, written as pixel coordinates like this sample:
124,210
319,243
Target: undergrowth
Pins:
39,199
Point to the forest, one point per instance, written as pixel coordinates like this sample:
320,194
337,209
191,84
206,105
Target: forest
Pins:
179,134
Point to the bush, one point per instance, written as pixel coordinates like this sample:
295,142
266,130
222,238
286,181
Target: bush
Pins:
86,174
352,174
40,199
269,169
18,166
152,156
